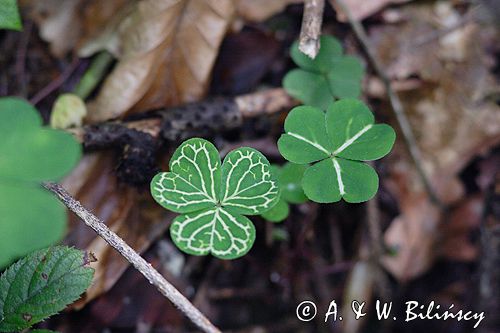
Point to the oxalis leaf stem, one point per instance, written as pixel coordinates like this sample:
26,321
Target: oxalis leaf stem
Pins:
151,274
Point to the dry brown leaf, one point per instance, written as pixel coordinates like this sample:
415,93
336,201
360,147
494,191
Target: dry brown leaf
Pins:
361,9
453,117
260,10
167,49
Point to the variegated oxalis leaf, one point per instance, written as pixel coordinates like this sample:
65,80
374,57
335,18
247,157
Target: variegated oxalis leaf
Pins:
339,140
214,197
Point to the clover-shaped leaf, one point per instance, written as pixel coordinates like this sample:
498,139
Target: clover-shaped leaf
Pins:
329,76
213,197
30,217
340,140
289,180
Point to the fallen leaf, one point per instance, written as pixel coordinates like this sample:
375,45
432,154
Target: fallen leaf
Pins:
167,51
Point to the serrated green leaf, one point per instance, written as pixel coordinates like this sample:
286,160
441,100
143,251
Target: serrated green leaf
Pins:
9,15
224,234
215,197
329,76
248,186
40,285
29,154
278,213
351,137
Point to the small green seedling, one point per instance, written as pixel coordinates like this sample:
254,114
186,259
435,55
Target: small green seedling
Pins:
289,181
9,15
329,76
30,217
339,141
42,284
213,198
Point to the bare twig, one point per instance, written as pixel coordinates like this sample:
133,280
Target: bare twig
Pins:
155,278
396,104
311,27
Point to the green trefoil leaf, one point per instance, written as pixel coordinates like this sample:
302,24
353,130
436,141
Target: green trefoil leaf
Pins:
330,76
338,141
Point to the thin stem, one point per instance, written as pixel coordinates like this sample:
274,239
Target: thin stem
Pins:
93,75
155,278
395,101
311,27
